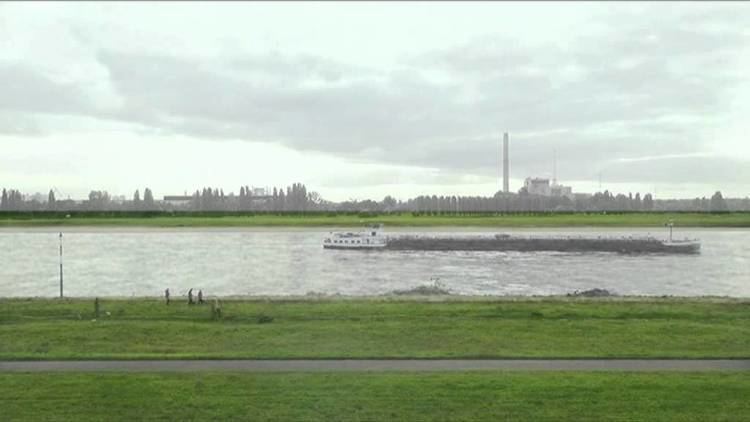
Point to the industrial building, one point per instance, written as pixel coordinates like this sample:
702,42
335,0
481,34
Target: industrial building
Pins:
537,186
534,185
541,186
177,200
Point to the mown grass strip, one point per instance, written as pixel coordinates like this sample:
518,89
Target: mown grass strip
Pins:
624,219
149,329
470,396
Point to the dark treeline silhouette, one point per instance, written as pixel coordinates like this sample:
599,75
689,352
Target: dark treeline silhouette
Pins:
524,202
145,204
296,198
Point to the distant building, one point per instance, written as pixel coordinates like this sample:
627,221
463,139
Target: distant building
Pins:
537,186
542,187
177,199
560,190
38,197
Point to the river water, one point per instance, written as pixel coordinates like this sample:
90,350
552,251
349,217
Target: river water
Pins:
143,262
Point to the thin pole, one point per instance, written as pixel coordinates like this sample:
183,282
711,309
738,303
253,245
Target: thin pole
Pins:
670,230
670,224
61,266
554,167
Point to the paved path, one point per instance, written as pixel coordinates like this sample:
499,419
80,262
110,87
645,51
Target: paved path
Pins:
378,365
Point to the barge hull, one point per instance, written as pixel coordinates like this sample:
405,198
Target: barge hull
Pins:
634,246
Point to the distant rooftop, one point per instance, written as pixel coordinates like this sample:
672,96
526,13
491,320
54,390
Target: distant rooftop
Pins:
177,197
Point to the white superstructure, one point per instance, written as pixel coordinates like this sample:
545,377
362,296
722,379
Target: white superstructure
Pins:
371,238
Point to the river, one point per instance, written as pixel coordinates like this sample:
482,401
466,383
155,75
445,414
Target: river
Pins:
143,262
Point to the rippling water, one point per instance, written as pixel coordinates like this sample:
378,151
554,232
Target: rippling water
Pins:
119,262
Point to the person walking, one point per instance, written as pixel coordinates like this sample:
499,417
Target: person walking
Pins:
216,309
200,297
190,297
166,295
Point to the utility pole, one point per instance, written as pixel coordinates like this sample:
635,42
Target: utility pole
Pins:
670,225
506,164
554,167
61,267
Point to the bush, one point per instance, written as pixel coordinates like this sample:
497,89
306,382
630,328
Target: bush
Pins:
264,319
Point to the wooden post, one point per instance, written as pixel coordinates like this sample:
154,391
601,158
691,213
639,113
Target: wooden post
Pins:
61,266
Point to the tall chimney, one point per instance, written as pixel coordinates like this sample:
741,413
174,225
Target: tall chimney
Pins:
506,164
554,167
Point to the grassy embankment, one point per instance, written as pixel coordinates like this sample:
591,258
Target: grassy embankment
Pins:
377,396
552,328
124,219
47,329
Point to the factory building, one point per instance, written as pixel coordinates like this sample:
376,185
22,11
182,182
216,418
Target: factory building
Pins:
177,200
542,187
537,186
560,190
534,185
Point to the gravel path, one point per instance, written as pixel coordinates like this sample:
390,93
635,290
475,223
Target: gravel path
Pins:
353,365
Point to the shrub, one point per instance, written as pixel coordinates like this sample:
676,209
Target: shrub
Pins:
264,319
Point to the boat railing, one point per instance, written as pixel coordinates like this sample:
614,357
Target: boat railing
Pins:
629,238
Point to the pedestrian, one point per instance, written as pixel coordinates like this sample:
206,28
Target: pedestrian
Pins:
166,295
216,309
190,297
200,296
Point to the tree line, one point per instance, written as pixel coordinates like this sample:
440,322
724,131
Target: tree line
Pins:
523,202
297,198
293,198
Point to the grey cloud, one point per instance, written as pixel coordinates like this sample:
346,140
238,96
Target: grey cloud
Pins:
651,88
681,68
15,123
25,90
487,56
298,67
579,157
680,170
416,122
689,86
346,117
26,96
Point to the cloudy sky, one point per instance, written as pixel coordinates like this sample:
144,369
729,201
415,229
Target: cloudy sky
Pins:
360,100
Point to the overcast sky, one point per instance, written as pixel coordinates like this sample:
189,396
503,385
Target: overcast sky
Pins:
360,100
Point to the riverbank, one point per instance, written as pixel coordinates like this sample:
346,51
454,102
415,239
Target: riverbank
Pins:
542,220
400,328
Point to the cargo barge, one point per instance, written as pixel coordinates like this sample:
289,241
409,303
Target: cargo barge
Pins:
374,239
505,242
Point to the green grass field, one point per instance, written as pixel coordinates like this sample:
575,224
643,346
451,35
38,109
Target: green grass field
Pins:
574,328
556,396
390,220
